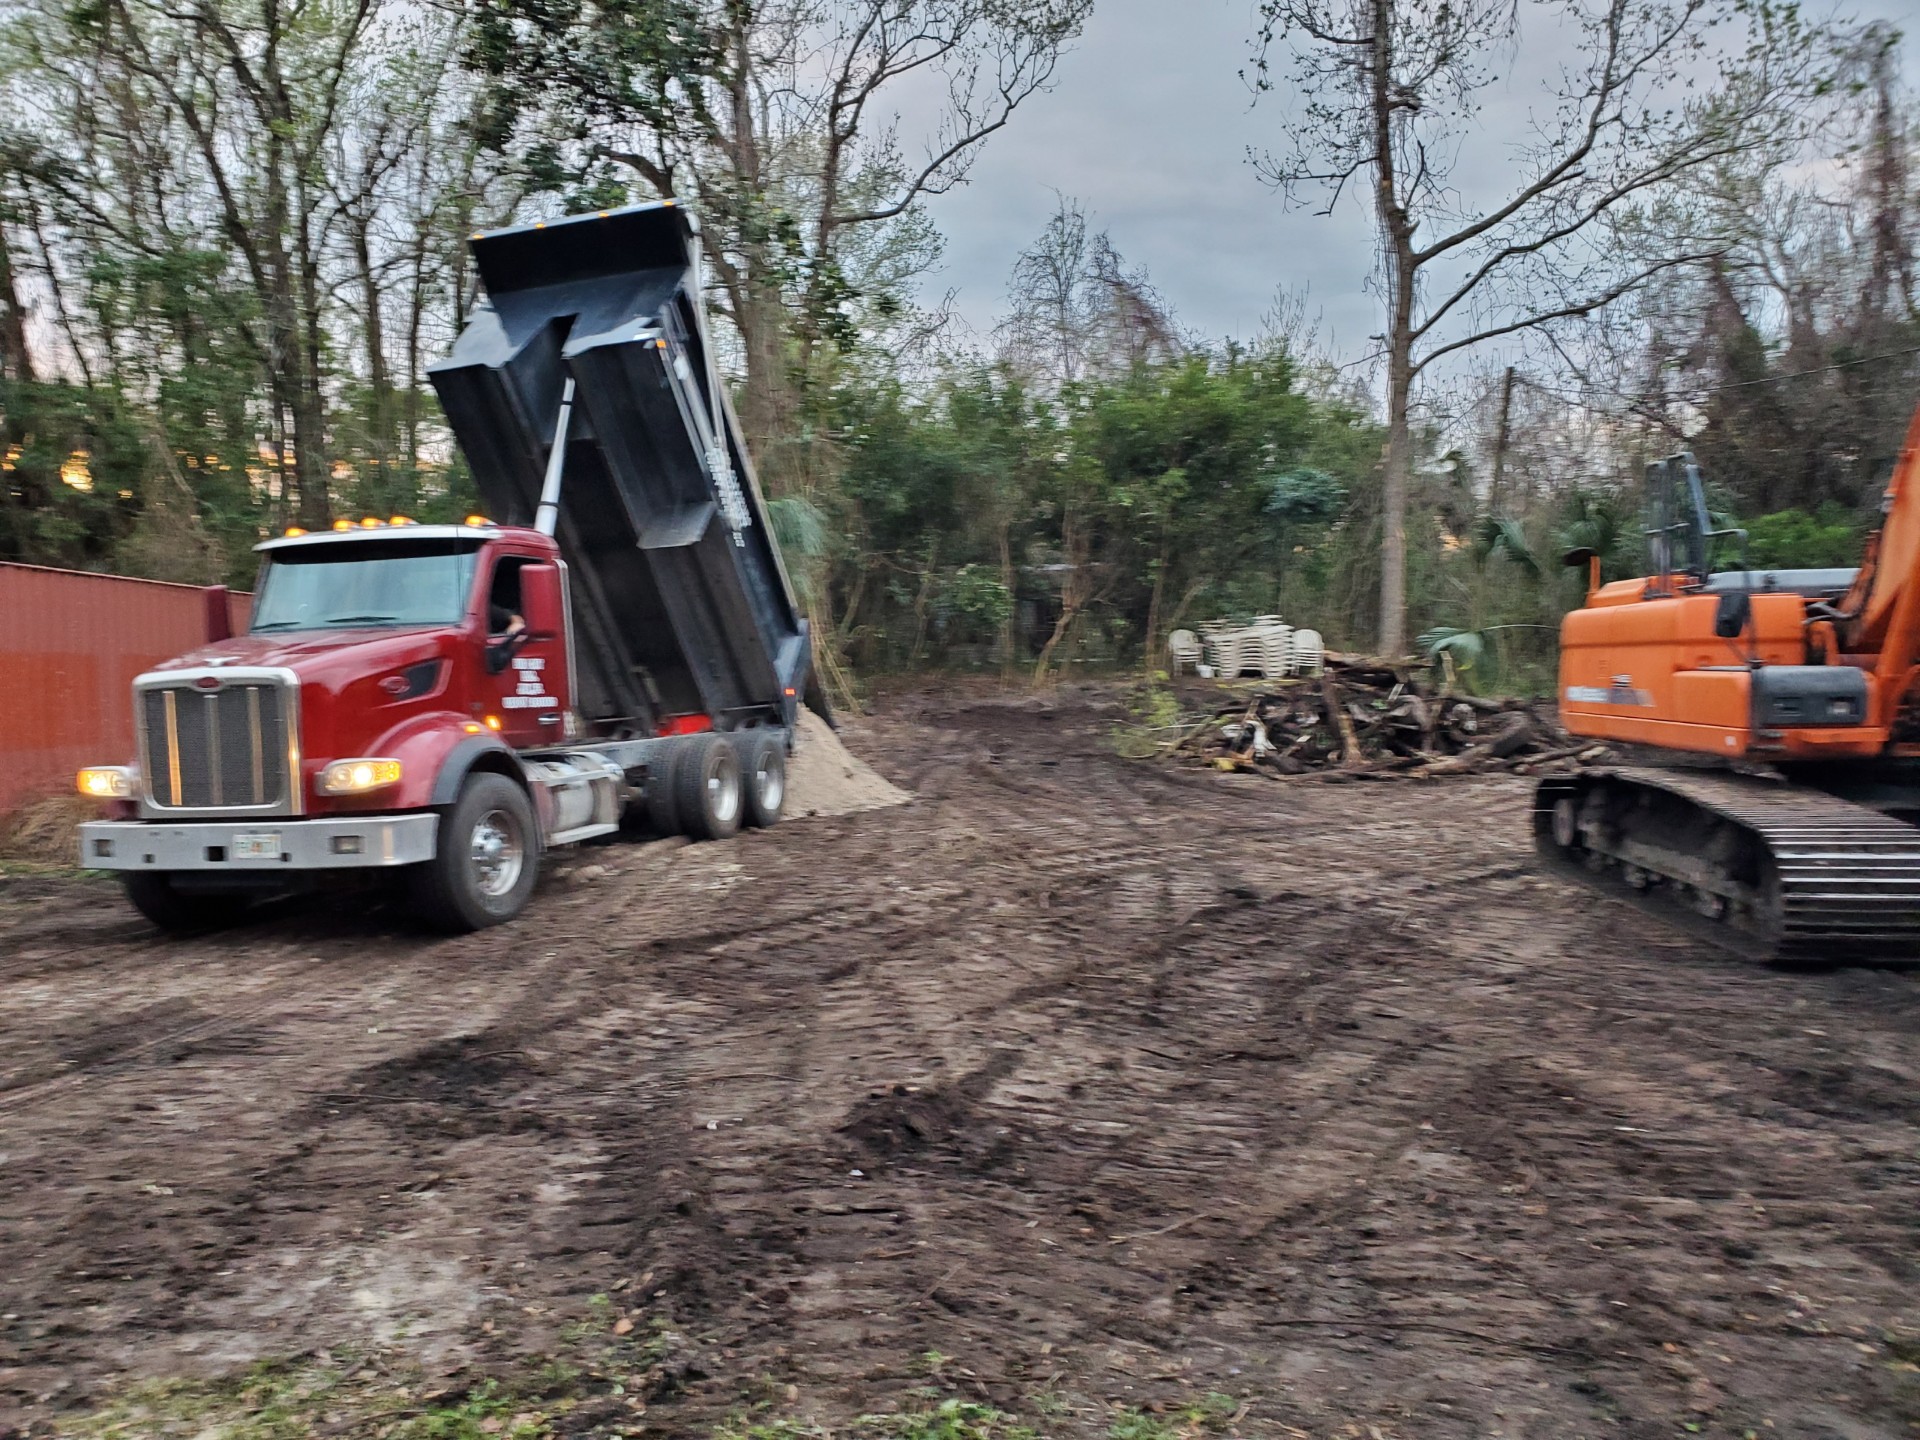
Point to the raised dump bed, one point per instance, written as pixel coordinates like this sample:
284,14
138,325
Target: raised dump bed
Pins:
593,329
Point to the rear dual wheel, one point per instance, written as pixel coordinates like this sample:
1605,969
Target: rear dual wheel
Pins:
711,785
707,787
766,778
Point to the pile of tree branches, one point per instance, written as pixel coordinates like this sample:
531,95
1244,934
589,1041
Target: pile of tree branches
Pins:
1376,719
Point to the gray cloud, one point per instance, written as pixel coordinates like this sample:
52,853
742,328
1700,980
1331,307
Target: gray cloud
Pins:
1150,126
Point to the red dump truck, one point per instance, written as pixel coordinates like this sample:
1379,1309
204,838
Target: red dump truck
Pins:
448,702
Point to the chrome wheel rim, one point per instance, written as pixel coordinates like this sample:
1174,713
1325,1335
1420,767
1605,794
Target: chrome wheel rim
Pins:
498,853
770,784
723,793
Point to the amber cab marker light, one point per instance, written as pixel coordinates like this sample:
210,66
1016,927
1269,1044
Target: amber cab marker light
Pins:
106,782
476,521
400,520
343,524
371,523
293,532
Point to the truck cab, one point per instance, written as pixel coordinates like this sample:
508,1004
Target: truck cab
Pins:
450,702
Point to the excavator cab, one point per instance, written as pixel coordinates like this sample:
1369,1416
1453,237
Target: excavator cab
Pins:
1679,529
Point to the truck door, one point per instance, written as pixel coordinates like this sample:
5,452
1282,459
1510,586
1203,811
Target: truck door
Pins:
525,685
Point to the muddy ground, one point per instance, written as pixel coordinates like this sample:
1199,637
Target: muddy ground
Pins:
1112,1085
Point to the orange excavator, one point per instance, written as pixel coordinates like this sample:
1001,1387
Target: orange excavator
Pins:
1783,821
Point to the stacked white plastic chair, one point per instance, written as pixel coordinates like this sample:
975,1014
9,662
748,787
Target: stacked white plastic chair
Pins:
1265,648
1183,649
1224,646
1308,655
1276,649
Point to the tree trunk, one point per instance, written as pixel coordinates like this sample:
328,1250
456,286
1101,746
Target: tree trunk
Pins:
1153,609
1396,482
920,603
1496,486
766,394
1013,605
416,311
1396,231
16,360
380,425
1073,592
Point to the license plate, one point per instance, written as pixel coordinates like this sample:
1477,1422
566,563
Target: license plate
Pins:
263,845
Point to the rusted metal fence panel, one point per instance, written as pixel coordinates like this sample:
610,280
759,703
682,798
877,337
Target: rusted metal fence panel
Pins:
70,645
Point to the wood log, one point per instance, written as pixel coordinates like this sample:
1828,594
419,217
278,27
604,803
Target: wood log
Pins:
1351,742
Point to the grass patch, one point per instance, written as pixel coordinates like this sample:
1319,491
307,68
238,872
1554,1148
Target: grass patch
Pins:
949,1419
1209,1415
339,1395
597,1386
607,1363
1154,718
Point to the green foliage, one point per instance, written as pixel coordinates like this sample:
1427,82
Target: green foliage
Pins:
1828,537
980,518
799,526
1301,493
1503,536
1466,648
978,600
1601,521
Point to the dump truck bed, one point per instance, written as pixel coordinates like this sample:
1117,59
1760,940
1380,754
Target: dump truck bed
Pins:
681,604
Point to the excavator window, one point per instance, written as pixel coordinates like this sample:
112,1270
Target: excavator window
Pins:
1680,530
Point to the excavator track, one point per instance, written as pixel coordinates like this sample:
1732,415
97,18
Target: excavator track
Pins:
1765,868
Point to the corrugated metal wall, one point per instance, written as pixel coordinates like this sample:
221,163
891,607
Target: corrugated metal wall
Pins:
70,645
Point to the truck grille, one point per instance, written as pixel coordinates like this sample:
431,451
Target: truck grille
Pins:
216,749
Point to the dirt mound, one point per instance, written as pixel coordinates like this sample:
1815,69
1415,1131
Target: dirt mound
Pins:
826,778
44,831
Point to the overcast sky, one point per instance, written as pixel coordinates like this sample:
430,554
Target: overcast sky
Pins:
1149,126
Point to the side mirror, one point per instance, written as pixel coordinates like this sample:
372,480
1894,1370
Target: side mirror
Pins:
543,606
1732,615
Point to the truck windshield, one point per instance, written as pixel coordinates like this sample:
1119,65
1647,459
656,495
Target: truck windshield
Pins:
336,585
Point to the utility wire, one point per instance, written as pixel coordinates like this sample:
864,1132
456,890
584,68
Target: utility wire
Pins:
1817,370
1588,390
1591,389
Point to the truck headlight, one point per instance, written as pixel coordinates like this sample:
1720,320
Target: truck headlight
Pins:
108,782
356,777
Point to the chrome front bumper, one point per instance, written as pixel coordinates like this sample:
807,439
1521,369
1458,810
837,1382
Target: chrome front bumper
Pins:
333,844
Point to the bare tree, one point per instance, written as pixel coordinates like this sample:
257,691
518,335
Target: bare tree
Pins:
1389,93
1077,311
781,121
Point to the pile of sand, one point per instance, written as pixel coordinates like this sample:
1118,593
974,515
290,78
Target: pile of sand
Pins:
825,778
